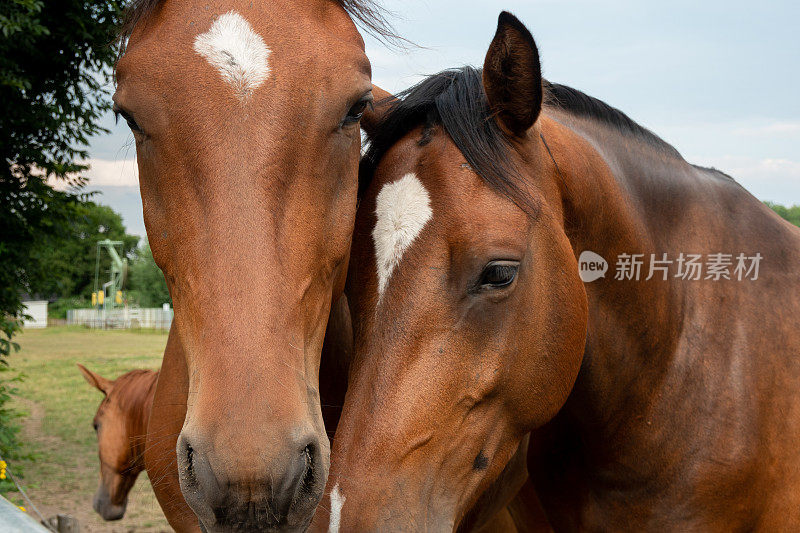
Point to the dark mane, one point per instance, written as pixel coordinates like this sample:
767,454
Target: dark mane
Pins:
367,13
455,99
581,104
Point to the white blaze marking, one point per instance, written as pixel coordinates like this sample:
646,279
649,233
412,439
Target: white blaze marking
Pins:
337,502
238,52
403,208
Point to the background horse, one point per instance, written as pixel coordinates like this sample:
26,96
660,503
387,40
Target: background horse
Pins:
663,399
246,120
121,427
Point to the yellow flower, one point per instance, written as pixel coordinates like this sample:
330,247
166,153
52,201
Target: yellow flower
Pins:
21,508
3,474
3,465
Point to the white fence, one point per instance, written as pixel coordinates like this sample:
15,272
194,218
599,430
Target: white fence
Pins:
128,318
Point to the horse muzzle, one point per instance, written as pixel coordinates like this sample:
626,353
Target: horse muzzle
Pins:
280,496
103,506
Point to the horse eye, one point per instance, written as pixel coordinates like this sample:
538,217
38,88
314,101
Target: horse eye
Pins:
357,111
119,112
498,274
94,425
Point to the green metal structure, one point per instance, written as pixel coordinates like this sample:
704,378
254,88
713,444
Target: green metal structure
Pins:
109,294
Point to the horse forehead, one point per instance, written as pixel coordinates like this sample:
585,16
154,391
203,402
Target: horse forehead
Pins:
412,178
236,51
240,47
239,41
402,210
113,421
468,209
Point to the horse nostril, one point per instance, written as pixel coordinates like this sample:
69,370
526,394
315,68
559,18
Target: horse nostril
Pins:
307,480
189,457
300,481
192,465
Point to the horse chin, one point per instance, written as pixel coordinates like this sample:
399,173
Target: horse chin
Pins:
243,519
253,526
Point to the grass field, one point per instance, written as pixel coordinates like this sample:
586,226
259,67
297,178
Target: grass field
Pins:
57,428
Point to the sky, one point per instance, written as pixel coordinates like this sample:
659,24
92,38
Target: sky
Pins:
716,79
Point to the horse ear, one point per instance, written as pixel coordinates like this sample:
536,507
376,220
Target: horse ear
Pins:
512,76
381,105
96,380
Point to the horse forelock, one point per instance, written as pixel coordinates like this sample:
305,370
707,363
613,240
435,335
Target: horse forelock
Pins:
455,100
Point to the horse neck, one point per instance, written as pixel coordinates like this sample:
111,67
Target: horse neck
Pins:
614,202
664,358
625,195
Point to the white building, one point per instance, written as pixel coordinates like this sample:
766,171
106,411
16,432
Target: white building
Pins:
37,309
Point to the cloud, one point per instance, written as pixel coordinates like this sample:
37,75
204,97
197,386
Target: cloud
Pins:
773,179
121,172
106,173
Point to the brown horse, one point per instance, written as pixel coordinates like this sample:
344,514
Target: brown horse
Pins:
246,120
121,427
666,399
